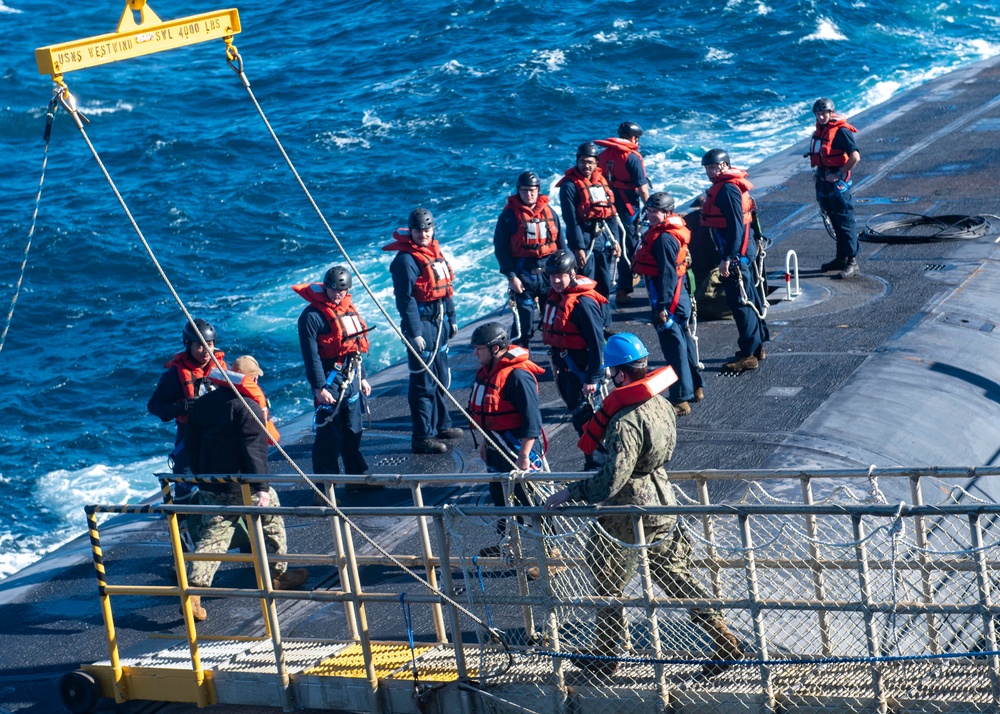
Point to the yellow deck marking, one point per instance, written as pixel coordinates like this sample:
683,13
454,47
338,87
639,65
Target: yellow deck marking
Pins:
350,661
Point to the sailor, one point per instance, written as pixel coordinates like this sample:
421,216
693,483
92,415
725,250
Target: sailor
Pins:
728,212
422,283
224,438
588,210
527,231
623,167
663,258
186,379
504,402
573,327
637,428
833,152
333,340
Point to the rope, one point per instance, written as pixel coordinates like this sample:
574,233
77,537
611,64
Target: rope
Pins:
70,105
769,662
918,228
50,115
235,61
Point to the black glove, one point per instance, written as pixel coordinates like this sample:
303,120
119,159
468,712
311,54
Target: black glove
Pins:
184,405
452,330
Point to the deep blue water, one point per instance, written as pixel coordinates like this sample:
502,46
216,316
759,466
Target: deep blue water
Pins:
383,106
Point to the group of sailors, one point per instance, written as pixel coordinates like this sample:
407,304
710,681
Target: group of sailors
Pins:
562,267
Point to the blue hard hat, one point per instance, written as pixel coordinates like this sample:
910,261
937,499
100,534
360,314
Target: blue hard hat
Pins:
623,348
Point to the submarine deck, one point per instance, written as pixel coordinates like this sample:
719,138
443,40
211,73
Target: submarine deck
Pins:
894,368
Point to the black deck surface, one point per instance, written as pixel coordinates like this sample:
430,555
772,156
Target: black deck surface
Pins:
932,150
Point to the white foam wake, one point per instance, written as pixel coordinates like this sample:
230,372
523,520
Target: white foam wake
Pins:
62,494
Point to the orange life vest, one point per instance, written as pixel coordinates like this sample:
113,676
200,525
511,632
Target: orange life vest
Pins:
557,329
487,407
436,276
620,397
644,263
613,159
594,200
249,388
711,216
346,335
821,151
193,377
537,233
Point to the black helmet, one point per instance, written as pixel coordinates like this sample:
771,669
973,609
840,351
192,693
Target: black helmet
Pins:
529,179
823,104
562,261
420,219
661,201
629,129
204,327
338,278
715,156
587,148
491,334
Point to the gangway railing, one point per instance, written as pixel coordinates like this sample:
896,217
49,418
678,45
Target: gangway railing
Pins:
807,586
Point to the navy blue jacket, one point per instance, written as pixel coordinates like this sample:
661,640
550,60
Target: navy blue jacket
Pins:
507,226
405,270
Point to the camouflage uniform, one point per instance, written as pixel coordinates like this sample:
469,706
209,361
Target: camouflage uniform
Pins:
217,533
639,441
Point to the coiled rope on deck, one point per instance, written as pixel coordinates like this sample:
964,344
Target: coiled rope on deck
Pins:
68,102
918,228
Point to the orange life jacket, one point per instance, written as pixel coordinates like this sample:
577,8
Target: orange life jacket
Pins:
557,329
249,388
644,262
594,200
637,392
821,151
537,233
193,377
347,329
436,276
487,407
613,159
711,216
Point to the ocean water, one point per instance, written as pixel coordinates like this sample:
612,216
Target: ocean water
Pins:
383,106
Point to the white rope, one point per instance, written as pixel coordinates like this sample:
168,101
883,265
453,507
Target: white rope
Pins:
236,62
70,105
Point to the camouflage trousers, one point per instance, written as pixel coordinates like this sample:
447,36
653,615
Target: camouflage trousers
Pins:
613,566
217,533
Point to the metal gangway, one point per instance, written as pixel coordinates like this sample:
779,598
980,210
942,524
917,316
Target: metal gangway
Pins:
845,599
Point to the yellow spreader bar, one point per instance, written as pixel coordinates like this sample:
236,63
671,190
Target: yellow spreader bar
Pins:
136,37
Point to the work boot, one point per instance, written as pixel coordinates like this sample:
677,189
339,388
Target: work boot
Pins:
850,269
699,394
622,298
727,648
835,264
452,432
533,572
199,613
290,579
740,364
682,409
761,353
428,446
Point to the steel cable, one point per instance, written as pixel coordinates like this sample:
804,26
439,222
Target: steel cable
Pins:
69,103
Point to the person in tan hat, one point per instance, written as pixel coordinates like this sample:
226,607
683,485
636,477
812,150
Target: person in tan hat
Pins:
224,438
